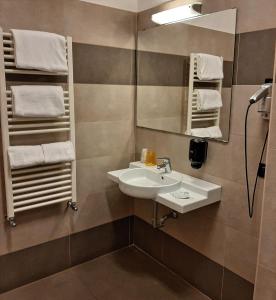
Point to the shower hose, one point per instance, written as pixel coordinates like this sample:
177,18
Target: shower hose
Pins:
249,200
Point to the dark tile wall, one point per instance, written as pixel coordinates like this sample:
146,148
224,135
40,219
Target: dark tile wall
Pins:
255,56
103,65
160,69
212,279
24,266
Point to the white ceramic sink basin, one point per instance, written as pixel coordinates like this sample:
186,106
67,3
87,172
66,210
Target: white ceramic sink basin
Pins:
146,184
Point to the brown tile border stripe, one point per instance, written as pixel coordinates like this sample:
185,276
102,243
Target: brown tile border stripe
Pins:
109,65
160,69
255,56
24,266
30,264
211,278
103,65
100,240
94,64
234,285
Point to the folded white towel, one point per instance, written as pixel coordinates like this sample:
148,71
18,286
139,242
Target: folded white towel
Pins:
208,99
213,132
200,132
25,156
209,67
38,101
58,152
40,50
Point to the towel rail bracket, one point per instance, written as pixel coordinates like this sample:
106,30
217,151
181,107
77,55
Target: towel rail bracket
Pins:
12,222
73,205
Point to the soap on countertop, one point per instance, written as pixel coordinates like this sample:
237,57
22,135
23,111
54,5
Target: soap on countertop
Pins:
181,194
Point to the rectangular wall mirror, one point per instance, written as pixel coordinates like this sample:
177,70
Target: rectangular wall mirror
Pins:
185,74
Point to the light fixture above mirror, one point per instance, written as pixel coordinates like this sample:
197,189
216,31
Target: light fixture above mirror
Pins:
178,14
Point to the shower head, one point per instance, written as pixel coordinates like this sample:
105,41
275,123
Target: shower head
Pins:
262,93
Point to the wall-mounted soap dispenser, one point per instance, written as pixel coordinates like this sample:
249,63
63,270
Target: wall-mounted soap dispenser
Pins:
198,152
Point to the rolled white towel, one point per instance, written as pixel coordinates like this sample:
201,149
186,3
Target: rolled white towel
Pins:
38,101
58,152
40,50
25,156
208,99
209,67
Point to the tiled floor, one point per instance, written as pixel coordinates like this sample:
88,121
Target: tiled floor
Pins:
127,274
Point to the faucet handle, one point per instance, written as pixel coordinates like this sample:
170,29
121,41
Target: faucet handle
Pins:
164,158
166,162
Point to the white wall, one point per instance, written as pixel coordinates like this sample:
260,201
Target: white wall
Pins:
130,5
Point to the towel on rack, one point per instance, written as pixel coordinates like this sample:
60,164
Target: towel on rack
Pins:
200,132
58,152
37,101
40,50
209,67
208,99
213,132
25,156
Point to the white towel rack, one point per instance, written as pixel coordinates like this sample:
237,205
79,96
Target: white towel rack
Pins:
45,185
197,118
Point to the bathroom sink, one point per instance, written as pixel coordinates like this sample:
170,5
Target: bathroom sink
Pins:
146,183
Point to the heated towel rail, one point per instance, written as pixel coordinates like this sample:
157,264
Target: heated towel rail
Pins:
197,118
40,186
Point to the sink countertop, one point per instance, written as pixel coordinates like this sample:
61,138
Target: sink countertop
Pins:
201,192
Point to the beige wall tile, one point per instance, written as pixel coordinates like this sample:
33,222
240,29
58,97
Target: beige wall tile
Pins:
94,24
257,126
183,39
267,248
250,13
241,253
35,227
101,207
266,279
104,138
34,15
272,123
85,22
266,285
92,173
98,102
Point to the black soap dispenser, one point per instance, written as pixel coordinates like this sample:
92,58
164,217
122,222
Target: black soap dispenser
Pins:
198,152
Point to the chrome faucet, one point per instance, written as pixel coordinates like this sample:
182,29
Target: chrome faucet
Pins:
165,164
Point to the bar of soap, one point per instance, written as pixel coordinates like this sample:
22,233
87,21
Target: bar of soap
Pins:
181,194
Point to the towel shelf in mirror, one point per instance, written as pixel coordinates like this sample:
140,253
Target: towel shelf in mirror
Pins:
167,65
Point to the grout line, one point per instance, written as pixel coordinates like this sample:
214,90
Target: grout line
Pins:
171,271
222,283
237,59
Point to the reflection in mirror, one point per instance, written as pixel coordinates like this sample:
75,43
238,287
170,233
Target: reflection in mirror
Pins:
184,76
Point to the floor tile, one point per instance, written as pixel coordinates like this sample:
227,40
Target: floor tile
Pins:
125,274
130,274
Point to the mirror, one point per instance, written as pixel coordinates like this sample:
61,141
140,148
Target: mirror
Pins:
185,74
